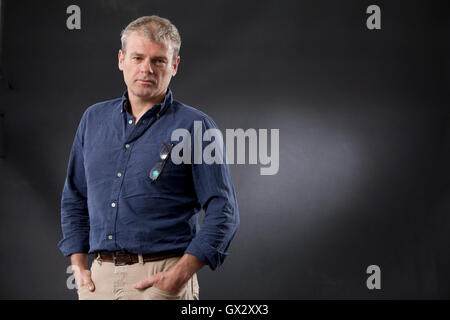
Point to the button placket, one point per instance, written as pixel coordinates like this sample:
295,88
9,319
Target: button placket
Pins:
131,134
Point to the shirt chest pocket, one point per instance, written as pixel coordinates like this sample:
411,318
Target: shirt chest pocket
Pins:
161,175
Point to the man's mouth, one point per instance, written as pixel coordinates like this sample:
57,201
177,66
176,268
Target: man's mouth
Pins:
146,81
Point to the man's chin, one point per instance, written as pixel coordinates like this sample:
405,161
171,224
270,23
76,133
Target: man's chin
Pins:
144,93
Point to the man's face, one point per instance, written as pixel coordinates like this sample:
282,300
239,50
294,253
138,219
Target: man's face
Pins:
147,66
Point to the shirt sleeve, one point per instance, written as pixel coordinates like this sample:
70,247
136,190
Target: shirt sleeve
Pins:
74,212
216,194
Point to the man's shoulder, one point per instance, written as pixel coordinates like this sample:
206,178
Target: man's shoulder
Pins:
189,112
102,106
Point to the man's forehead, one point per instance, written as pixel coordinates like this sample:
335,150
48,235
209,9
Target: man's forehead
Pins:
138,40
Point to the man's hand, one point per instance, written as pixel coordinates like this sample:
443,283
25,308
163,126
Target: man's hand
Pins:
80,271
173,280
167,281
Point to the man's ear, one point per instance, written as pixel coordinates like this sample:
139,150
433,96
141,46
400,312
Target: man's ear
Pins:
121,56
175,66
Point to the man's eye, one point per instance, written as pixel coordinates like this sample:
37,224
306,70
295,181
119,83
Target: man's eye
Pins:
136,58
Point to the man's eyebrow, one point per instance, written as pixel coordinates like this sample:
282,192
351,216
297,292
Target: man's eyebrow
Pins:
160,57
141,55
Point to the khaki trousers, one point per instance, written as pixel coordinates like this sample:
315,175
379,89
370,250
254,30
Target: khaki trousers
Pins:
116,282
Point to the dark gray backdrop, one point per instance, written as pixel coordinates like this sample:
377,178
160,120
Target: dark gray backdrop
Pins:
364,138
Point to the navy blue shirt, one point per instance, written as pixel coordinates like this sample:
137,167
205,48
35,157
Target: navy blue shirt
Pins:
109,202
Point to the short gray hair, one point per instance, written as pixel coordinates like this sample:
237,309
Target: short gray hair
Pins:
154,28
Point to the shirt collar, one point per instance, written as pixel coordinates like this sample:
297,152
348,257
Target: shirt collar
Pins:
159,108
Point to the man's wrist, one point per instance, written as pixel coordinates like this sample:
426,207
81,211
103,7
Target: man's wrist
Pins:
185,268
79,265
79,261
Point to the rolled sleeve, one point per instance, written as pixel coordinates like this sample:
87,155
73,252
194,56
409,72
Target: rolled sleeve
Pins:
216,194
74,211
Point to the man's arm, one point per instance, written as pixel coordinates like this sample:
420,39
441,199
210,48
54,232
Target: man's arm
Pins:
74,213
217,197
215,192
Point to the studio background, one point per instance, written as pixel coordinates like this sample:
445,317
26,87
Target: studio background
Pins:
364,138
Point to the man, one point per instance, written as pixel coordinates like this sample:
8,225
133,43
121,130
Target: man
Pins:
125,200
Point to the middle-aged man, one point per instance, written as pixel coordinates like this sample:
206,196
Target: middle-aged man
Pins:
126,201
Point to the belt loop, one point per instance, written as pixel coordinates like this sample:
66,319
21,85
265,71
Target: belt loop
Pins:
99,259
141,259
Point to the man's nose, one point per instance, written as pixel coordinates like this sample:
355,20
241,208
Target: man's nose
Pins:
146,67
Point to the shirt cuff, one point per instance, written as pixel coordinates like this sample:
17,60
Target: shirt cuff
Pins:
206,253
74,244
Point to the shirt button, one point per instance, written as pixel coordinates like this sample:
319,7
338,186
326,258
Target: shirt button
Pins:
119,174
113,204
127,146
110,237
130,121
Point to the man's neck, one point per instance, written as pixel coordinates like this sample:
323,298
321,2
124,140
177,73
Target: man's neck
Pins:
140,106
